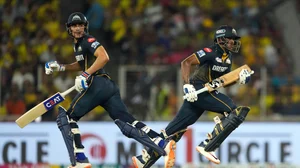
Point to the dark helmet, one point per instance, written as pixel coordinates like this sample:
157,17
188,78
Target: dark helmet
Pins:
229,32
77,18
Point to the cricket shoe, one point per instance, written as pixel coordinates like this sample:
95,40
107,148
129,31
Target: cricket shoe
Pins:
82,164
140,161
211,156
170,148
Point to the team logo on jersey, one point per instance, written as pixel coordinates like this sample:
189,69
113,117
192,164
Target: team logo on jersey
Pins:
219,68
201,53
79,57
207,49
228,61
79,49
95,44
91,39
218,59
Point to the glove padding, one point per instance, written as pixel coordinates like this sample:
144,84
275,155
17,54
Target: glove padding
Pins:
245,76
53,66
81,82
190,93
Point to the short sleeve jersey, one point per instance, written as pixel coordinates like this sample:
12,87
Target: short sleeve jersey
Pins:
213,63
84,51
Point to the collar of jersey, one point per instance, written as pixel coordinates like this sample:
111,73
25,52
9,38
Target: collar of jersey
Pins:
80,39
220,50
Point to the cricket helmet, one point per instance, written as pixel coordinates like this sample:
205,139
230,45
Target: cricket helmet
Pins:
77,18
224,33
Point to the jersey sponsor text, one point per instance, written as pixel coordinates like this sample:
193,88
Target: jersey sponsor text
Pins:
219,68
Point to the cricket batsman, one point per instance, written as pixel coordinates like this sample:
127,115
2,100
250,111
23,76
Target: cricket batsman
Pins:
95,87
212,62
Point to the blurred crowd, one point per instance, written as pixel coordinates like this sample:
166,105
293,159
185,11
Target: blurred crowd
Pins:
143,32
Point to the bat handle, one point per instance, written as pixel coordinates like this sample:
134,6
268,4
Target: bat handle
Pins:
198,91
67,91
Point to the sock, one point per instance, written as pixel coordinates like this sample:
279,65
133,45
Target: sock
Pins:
80,156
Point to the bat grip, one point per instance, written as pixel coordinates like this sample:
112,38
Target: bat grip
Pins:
198,91
63,94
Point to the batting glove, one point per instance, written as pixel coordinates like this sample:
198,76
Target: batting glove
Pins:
53,66
190,93
81,82
245,76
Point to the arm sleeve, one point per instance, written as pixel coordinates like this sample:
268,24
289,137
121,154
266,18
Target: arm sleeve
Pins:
204,56
92,44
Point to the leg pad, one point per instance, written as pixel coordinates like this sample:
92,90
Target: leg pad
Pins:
65,129
225,126
139,135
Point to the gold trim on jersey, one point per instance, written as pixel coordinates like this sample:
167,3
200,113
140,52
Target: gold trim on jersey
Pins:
224,57
85,63
197,58
209,74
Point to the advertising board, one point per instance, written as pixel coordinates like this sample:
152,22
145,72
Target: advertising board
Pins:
105,144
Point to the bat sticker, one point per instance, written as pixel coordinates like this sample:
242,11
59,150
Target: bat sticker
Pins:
52,101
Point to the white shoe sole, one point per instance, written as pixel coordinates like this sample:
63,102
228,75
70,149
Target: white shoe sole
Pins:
171,154
211,157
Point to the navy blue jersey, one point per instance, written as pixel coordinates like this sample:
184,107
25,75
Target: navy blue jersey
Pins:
213,63
84,51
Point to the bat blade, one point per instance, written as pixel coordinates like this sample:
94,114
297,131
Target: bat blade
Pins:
39,110
31,115
226,79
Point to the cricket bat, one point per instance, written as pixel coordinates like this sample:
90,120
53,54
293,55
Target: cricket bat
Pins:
223,81
42,108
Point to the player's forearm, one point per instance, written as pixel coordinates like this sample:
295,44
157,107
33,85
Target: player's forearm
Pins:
186,65
185,71
73,67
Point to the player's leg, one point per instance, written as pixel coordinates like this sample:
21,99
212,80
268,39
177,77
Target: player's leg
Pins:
64,126
232,118
83,103
149,157
187,115
74,139
225,126
129,126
